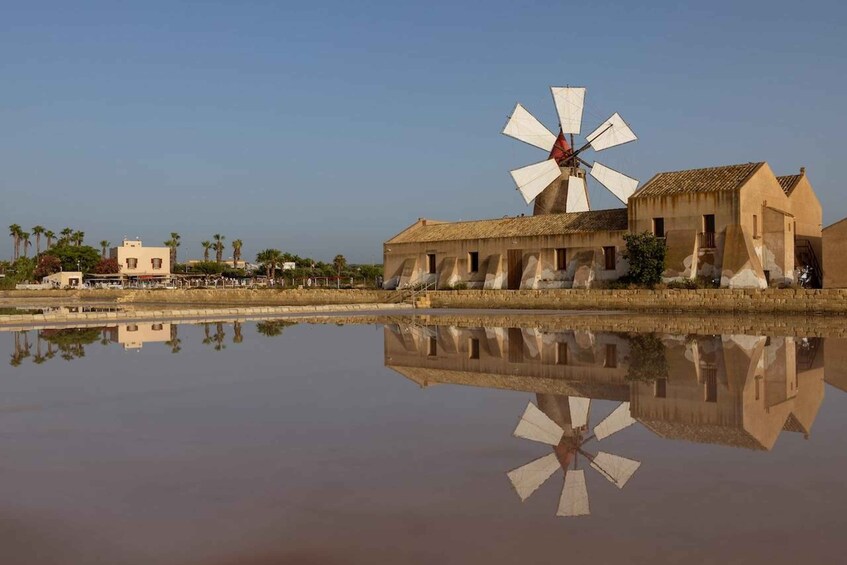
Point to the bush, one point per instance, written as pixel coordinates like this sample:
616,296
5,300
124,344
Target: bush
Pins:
647,359
646,256
47,265
76,258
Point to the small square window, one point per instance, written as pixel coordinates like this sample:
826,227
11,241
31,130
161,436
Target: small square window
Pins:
660,388
131,263
611,361
473,261
432,349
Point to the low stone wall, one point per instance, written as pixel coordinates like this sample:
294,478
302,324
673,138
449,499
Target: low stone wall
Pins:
830,301
280,297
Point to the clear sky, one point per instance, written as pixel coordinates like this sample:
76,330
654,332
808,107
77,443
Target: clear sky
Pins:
326,127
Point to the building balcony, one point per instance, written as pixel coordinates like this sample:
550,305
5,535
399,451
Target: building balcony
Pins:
707,240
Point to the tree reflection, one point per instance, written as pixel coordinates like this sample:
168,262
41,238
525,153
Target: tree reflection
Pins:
272,328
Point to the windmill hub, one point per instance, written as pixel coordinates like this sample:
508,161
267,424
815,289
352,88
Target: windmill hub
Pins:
558,184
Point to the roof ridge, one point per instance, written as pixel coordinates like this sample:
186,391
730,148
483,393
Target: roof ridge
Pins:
758,163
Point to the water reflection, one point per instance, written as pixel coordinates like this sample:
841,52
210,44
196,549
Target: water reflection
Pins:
69,343
741,391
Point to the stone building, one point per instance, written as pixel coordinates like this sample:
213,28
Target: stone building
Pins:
739,225
137,262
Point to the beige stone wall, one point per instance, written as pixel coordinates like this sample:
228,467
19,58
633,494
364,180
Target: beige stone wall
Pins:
583,250
708,300
144,256
808,214
834,247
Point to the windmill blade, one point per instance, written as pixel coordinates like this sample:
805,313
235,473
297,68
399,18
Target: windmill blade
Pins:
618,184
528,478
579,411
577,195
614,422
533,179
574,500
569,104
612,132
535,425
615,468
523,126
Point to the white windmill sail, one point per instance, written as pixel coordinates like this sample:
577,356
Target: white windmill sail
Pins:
574,500
612,132
618,184
615,468
528,478
533,179
579,411
577,195
569,103
523,126
614,422
536,426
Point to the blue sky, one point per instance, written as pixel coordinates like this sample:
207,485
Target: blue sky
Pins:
326,127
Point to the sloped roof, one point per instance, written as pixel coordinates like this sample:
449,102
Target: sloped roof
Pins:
547,224
788,182
711,179
704,433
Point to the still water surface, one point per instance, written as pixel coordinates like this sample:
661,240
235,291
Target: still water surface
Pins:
268,442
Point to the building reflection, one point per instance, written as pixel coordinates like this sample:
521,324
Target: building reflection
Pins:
734,390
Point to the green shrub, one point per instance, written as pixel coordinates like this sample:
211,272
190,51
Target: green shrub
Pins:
645,254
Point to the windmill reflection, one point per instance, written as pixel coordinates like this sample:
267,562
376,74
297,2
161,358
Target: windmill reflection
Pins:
734,390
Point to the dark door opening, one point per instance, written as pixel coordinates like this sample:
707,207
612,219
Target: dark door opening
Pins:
515,260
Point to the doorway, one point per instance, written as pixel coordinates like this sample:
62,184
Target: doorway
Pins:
515,260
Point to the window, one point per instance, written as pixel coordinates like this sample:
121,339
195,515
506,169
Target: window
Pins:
157,327
432,350
473,261
709,223
132,328
473,348
660,388
659,227
515,345
561,259
430,263
131,263
609,254
157,263
562,353
755,226
611,361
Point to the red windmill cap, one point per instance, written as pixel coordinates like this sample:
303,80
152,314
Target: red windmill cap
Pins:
561,150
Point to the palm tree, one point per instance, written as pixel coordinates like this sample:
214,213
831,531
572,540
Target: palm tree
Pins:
237,336
270,258
24,237
219,246
340,263
49,235
38,231
237,244
103,245
175,343
15,234
207,245
66,236
78,238
173,243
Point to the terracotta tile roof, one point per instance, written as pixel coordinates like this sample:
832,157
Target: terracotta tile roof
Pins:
712,179
547,224
703,433
788,182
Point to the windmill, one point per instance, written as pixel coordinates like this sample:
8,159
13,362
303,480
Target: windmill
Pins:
557,184
568,442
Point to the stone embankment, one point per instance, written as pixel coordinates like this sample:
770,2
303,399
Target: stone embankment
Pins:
799,301
63,317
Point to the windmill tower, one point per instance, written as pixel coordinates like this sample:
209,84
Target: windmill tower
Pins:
558,184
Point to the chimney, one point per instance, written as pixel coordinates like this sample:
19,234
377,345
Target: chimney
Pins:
802,170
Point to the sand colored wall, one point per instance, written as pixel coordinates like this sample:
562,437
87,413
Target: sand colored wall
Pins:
808,214
144,256
584,250
834,253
